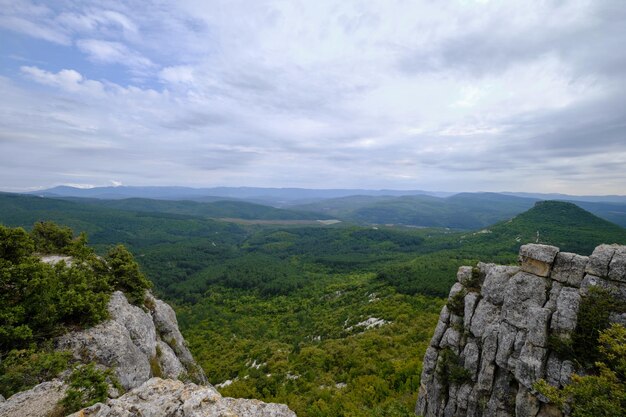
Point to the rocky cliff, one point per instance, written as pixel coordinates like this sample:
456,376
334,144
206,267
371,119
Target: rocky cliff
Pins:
491,342
141,346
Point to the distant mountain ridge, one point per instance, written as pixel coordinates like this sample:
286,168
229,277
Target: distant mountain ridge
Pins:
276,195
460,211
397,207
287,194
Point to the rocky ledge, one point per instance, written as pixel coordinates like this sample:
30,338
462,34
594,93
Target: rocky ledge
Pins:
159,397
497,323
141,345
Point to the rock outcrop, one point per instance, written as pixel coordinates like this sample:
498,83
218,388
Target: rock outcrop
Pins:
137,343
496,327
141,345
159,397
39,401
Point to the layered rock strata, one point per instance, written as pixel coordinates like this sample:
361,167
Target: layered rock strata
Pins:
496,326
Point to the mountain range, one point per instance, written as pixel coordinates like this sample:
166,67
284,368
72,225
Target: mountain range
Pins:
393,207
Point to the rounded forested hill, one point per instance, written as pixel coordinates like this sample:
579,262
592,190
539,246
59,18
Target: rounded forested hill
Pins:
556,223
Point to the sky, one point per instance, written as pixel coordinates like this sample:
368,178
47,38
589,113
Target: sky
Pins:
455,95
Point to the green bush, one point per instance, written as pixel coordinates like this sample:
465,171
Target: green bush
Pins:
15,244
126,275
456,303
602,394
38,301
51,238
450,370
593,318
23,369
87,385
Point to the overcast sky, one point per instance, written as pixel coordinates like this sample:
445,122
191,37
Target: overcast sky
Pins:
439,95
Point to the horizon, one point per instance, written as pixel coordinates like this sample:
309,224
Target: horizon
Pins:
503,192
472,95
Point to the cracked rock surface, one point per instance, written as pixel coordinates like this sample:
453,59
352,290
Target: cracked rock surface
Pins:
158,397
502,340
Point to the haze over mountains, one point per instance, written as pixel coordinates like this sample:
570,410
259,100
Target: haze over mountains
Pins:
399,207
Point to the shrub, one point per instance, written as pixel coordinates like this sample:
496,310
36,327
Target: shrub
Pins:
23,369
593,318
450,370
126,275
456,303
602,394
51,238
87,385
15,244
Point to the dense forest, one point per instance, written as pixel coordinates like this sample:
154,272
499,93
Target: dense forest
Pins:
331,319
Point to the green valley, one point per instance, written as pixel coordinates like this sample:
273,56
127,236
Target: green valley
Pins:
332,320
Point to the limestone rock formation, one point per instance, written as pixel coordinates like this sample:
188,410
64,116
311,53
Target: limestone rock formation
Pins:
502,339
140,344
136,343
158,397
39,401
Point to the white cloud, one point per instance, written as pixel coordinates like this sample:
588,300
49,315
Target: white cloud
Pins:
113,53
67,80
381,94
180,74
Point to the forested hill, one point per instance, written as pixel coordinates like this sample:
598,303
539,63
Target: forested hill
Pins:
555,223
217,209
461,211
276,312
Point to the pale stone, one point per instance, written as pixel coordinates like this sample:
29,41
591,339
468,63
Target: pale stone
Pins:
487,365
450,408
538,319
39,401
599,260
170,365
531,365
569,268
471,354
526,404
615,288
554,294
138,323
471,300
464,275
167,327
537,259
565,316
109,344
506,341
617,267
567,369
158,397
549,410
484,315
456,288
55,259
523,291
462,397
127,342
553,370
440,329
451,339
495,283
429,365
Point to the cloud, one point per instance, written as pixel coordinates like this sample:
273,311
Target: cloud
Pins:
67,80
437,95
113,53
